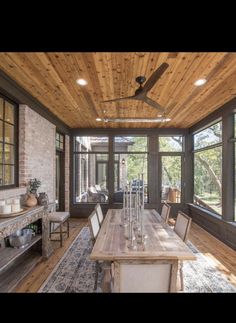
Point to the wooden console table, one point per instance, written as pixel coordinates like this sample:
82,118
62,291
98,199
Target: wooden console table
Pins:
16,263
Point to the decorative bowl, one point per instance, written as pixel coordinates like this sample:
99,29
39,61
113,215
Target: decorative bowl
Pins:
21,238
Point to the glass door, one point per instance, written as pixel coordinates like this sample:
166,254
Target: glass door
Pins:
171,179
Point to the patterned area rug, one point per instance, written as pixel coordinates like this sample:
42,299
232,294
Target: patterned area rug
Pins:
75,272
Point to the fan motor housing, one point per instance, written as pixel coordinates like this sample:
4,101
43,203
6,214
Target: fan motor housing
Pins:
140,79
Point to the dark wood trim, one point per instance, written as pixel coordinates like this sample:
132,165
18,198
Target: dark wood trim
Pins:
214,224
61,155
127,131
228,168
188,169
15,92
15,144
111,176
152,170
227,108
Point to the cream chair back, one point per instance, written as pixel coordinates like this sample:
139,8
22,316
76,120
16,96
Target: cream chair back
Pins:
165,212
182,225
98,210
94,225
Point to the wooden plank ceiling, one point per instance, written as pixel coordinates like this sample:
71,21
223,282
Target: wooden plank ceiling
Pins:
51,78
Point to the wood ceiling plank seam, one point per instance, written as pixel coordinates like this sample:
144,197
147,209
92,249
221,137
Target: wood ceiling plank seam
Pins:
58,62
160,59
133,85
20,63
77,92
68,66
118,85
175,71
79,71
129,90
220,95
24,80
95,80
141,69
188,84
28,80
99,67
127,79
95,109
214,78
126,72
45,60
112,109
177,76
198,91
174,64
214,88
180,76
109,79
108,107
142,109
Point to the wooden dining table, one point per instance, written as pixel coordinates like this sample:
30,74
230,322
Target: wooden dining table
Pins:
149,267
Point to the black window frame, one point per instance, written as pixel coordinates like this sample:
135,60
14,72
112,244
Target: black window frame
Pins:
202,149
15,143
61,135
83,151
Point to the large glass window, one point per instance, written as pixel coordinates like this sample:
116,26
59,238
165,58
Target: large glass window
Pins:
208,168
170,144
131,160
171,179
91,144
7,143
209,136
91,169
171,151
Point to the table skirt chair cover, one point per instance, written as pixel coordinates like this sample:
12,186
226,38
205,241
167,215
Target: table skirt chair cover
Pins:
94,230
100,216
57,219
165,212
182,227
100,265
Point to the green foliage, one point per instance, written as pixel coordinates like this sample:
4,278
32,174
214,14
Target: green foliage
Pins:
34,184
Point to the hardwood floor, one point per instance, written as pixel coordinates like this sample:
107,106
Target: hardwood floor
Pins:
221,256
32,282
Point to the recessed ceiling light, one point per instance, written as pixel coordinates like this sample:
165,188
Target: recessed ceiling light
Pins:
98,119
82,82
200,82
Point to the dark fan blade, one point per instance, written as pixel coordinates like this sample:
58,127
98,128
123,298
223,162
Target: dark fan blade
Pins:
153,104
121,99
154,77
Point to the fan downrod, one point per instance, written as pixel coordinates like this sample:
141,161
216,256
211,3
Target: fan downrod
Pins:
140,79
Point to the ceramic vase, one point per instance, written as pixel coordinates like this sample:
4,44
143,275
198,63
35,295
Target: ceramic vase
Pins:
31,200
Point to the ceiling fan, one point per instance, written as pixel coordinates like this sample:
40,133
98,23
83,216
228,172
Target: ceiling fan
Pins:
141,92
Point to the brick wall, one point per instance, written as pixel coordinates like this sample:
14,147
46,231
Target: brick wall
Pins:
37,150
37,156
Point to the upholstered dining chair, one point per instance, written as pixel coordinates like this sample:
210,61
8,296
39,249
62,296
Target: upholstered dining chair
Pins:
100,265
165,212
182,227
94,230
100,215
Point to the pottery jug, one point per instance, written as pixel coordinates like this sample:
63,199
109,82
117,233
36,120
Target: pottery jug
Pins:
31,200
43,199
